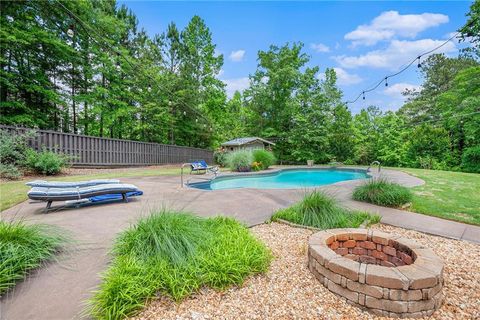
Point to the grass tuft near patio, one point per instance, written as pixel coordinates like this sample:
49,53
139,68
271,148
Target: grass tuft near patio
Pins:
382,192
23,248
322,211
174,254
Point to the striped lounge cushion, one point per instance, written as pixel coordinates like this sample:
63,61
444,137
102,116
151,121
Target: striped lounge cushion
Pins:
62,184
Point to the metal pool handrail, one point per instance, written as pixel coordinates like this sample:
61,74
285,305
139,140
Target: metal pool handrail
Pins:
181,175
374,163
181,172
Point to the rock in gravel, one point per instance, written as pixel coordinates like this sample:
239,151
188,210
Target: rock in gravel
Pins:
289,291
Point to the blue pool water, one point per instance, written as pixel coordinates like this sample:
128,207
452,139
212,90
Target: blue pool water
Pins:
285,179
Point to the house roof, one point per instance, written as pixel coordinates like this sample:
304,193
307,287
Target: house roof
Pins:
246,140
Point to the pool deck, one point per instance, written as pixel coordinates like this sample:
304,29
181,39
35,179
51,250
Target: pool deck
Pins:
59,290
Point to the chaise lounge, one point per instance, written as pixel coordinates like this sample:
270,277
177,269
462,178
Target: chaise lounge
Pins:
95,193
74,184
200,166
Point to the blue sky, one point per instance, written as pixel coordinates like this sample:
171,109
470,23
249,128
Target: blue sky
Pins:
363,41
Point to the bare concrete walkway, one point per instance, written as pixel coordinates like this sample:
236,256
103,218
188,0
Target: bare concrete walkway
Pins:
59,290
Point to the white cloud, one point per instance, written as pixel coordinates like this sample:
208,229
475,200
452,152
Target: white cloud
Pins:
396,90
397,53
319,47
391,24
345,78
237,55
236,84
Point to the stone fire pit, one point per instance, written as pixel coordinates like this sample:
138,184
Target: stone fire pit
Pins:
386,274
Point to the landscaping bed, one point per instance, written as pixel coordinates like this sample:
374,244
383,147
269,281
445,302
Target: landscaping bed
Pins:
174,254
289,289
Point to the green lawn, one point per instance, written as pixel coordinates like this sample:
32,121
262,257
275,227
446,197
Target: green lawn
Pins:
13,192
448,195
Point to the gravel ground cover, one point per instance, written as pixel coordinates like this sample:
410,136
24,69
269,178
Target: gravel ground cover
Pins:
289,291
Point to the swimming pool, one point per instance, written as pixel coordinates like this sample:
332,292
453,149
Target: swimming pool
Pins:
283,179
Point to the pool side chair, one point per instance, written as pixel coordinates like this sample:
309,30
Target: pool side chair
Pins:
93,194
201,166
73,184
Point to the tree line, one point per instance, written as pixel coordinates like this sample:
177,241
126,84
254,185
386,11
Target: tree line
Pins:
86,67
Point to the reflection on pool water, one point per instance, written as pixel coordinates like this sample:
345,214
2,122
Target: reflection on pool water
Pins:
284,179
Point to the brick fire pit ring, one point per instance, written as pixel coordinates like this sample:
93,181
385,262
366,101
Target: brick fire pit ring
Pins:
383,273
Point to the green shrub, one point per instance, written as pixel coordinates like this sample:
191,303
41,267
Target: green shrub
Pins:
382,192
46,162
266,158
25,247
471,159
14,147
175,254
220,158
9,171
240,160
322,211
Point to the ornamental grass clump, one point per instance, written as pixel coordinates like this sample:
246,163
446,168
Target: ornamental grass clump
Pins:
174,254
319,210
382,192
25,247
240,160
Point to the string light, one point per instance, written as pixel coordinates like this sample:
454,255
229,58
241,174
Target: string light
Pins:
416,59
70,31
386,81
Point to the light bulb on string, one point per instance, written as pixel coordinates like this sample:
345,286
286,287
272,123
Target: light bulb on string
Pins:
71,31
419,65
363,93
184,113
196,120
386,81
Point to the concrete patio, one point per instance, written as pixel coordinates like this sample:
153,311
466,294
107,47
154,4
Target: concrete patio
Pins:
59,290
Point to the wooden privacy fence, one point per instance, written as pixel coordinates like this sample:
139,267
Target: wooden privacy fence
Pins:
96,151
